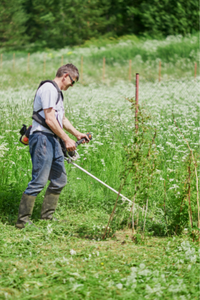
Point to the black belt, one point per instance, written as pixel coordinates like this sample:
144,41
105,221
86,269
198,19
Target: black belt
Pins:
46,133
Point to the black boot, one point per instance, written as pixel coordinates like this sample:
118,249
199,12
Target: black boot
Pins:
25,210
49,206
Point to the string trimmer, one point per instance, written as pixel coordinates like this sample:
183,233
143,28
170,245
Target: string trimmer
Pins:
70,157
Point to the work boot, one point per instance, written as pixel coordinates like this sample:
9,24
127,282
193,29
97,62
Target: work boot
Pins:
49,206
25,210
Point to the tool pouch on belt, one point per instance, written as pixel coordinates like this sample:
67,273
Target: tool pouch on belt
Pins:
25,132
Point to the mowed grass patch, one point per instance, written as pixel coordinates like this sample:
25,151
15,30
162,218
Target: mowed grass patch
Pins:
51,263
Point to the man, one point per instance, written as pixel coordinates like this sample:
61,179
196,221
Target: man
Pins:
46,153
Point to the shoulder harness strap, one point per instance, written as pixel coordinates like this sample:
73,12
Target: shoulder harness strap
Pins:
56,86
36,116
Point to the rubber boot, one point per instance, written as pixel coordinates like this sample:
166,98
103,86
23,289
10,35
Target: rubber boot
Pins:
49,206
25,210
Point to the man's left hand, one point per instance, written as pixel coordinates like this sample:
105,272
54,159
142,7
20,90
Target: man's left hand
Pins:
81,136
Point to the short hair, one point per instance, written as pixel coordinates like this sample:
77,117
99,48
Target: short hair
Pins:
68,68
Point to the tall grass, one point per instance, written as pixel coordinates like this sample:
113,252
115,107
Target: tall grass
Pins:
106,113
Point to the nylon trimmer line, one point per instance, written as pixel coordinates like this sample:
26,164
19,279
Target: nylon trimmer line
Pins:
70,157
69,160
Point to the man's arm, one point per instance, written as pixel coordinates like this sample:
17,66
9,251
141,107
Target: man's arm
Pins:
70,128
51,121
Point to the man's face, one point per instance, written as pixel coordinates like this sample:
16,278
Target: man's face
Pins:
68,81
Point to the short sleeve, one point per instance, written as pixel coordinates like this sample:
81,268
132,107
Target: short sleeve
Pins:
49,96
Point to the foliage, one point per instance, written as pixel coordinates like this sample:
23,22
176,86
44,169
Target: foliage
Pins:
170,17
12,24
57,23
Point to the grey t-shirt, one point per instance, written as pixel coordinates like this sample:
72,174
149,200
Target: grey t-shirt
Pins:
46,97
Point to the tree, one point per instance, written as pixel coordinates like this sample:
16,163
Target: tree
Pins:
56,23
12,24
168,17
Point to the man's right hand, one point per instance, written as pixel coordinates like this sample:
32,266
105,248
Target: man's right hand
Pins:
70,144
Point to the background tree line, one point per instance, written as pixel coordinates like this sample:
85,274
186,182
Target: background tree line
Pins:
57,23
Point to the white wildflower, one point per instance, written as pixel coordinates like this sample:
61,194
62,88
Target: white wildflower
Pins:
72,252
49,229
116,271
119,286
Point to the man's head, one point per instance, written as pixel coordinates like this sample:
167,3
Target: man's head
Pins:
66,76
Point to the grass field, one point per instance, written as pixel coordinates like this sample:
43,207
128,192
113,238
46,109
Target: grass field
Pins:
53,263
69,259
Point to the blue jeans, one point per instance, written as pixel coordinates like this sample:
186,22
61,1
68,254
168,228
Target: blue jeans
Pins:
48,164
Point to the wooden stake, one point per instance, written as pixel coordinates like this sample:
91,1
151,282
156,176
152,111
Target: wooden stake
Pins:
28,63
129,73
189,202
44,65
159,71
195,70
104,64
1,60
136,100
62,60
81,69
13,61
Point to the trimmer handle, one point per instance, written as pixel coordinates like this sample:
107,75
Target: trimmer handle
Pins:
72,153
84,139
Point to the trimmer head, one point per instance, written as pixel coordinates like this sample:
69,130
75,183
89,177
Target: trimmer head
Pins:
74,157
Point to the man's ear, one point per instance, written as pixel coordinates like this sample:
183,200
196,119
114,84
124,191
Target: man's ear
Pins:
65,75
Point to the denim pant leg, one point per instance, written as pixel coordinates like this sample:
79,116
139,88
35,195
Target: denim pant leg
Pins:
57,176
41,150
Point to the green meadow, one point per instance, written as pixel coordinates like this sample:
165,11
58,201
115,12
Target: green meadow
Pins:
149,249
